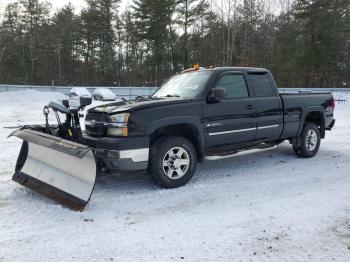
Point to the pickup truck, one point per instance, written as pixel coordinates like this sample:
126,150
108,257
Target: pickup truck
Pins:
218,111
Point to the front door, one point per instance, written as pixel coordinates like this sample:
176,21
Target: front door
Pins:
231,120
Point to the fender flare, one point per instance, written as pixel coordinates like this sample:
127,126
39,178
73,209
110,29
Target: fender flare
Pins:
308,110
178,120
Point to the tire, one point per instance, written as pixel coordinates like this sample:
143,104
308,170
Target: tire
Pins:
308,144
168,171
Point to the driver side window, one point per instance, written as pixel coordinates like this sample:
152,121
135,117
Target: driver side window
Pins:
234,85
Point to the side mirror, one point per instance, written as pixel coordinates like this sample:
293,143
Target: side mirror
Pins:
217,94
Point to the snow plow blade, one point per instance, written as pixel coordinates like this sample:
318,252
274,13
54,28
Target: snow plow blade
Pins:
56,168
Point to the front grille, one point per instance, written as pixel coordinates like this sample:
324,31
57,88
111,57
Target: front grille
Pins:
95,124
98,117
97,130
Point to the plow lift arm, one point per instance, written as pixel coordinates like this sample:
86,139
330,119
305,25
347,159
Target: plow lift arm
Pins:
54,161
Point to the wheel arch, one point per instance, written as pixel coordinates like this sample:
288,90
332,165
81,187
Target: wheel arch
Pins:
314,115
188,127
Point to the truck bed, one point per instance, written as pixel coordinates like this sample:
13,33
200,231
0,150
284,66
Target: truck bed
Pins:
295,105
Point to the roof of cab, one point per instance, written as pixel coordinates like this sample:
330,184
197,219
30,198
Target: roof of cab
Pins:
232,68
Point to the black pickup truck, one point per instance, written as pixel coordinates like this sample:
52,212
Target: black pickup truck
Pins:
205,112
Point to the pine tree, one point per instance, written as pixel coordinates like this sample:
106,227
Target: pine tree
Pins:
189,12
10,37
306,45
35,16
153,18
251,16
65,27
108,13
324,31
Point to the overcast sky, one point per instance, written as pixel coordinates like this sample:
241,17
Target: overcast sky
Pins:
59,3
79,4
55,3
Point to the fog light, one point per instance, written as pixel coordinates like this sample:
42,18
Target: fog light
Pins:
113,154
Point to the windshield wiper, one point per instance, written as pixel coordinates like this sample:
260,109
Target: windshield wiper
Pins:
144,98
172,96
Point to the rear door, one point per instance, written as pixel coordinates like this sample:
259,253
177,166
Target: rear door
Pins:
269,108
231,120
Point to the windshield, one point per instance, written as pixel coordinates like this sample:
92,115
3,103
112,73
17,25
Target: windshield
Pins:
188,85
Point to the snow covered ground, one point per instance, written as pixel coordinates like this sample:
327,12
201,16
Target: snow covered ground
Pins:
256,206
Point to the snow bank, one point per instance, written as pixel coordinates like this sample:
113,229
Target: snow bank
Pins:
30,96
257,206
342,96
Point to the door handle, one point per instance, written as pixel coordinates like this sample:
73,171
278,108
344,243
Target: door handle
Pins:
250,107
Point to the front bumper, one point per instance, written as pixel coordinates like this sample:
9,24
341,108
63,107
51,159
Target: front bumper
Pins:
120,154
330,127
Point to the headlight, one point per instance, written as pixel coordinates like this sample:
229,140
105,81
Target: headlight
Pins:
118,125
119,118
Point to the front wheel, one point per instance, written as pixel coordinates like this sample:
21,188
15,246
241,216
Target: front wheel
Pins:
173,161
308,144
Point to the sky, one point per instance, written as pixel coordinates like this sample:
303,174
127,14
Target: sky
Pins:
78,4
55,3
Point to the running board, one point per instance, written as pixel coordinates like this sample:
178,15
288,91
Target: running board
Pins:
231,153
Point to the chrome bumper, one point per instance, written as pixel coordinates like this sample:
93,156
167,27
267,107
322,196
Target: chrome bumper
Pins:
123,160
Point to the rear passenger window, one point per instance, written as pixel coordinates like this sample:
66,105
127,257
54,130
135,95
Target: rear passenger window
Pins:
262,85
235,86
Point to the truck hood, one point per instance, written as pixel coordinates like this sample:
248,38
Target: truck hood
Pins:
137,104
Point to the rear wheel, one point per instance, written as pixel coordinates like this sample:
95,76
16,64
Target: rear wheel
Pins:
308,144
173,161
